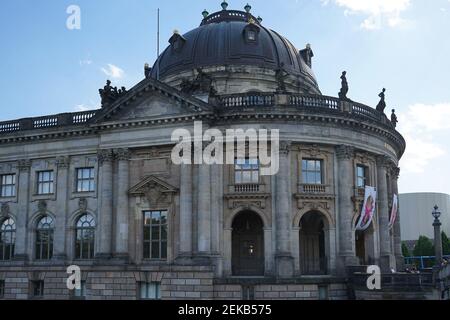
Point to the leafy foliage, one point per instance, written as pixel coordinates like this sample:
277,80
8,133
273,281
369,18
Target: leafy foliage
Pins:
423,247
405,250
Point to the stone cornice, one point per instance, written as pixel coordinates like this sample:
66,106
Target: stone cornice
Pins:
222,118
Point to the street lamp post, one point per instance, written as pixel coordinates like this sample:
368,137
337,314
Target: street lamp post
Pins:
437,236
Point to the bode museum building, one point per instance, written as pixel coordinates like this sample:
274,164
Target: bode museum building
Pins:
99,189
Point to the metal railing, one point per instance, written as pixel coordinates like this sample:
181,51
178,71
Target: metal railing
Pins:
422,262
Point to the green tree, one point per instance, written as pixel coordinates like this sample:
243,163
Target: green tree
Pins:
423,247
445,244
405,250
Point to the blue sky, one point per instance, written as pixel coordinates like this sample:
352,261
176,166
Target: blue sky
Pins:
403,45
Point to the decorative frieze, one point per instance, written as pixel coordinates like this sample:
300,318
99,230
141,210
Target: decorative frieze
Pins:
24,165
246,201
63,162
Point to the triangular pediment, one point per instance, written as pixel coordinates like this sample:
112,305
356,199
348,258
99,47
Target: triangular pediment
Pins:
151,99
152,183
154,190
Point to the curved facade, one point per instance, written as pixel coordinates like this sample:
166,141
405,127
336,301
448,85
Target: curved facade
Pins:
115,204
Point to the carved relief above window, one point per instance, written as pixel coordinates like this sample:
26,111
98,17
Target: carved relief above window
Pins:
155,191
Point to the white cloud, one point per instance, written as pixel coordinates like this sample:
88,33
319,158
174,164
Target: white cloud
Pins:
85,107
427,131
86,62
378,12
113,71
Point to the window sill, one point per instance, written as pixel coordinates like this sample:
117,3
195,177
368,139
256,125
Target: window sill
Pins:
8,198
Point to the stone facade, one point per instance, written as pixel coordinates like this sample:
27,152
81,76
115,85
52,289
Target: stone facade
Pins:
306,240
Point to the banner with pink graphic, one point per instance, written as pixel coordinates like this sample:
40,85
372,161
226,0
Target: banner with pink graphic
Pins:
368,209
393,212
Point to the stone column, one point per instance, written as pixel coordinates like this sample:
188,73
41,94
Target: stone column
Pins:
204,210
284,259
122,212
399,259
437,242
62,183
347,254
105,158
185,250
383,214
20,249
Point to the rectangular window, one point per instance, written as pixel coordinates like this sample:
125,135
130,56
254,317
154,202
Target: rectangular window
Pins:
155,235
251,35
80,293
85,180
2,288
362,176
45,182
37,289
312,171
246,171
8,185
150,290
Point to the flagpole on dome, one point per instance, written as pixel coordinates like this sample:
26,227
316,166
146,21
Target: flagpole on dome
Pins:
157,47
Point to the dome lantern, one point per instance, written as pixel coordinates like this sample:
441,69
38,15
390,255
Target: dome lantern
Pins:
205,13
248,8
224,5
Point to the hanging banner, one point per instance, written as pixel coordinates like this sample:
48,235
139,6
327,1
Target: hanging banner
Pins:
393,212
368,209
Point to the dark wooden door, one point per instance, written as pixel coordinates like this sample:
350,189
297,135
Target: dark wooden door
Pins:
248,246
360,247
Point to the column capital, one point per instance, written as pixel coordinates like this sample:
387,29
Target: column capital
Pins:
63,162
285,147
106,155
123,154
395,172
383,161
24,165
345,152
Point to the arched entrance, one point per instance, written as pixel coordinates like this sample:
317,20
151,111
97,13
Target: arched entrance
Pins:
248,245
313,249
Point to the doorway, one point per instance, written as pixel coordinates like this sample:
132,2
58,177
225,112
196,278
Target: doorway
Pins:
248,245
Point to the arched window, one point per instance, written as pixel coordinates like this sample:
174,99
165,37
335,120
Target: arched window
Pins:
44,238
85,237
7,239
